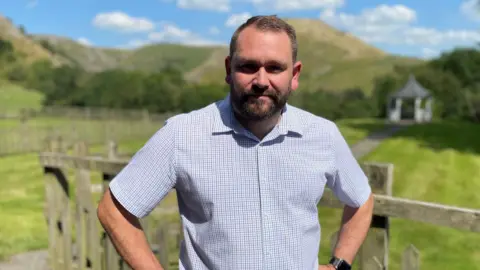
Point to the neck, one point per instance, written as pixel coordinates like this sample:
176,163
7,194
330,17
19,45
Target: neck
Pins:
260,128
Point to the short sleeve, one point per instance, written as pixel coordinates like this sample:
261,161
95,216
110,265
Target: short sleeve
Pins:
347,180
149,175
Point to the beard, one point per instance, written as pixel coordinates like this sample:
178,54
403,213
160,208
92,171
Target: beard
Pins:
255,105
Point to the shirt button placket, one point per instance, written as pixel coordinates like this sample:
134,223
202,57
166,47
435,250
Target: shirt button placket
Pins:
262,181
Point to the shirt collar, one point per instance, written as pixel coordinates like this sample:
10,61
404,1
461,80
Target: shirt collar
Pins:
226,121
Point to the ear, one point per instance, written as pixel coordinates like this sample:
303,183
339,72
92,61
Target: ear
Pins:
297,67
228,70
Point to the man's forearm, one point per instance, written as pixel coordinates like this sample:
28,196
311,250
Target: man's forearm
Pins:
354,229
126,234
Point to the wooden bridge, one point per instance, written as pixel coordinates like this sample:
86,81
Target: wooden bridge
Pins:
77,240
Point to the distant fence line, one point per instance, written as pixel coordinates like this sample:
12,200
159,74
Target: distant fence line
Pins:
30,137
84,113
92,125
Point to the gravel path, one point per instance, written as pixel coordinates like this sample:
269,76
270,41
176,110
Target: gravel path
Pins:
37,260
34,260
368,144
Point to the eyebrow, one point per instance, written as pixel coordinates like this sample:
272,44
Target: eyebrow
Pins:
243,60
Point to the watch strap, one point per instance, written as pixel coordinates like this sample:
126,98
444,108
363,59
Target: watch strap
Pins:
339,264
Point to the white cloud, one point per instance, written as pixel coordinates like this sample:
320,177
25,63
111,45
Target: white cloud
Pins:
84,41
237,19
171,33
32,3
395,25
471,9
214,5
428,53
214,30
120,21
285,5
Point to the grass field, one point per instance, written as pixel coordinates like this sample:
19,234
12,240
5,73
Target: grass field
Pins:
13,98
438,162
431,163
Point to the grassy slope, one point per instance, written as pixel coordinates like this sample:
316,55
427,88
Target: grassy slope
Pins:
13,98
91,58
154,57
331,59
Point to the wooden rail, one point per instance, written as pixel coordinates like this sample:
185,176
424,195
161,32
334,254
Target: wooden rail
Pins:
385,205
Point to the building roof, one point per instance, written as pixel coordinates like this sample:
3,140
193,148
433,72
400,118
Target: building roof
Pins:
412,89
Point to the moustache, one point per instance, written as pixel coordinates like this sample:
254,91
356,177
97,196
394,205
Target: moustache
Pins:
271,96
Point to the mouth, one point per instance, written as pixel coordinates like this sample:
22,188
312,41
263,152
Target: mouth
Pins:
261,97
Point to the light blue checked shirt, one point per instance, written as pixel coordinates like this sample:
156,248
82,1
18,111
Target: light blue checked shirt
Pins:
244,203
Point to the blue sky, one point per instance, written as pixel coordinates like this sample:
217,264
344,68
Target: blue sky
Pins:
422,28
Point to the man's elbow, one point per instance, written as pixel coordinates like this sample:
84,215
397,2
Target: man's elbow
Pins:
102,211
105,209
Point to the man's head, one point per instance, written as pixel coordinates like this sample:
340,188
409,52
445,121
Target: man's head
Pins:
262,68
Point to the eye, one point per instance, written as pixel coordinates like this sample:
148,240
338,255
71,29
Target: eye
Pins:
274,69
247,68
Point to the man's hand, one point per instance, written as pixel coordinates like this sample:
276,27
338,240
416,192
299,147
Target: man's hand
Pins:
326,267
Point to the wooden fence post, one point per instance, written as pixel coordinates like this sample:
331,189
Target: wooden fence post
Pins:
163,244
88,238
57,191
376,245
411,258
112,258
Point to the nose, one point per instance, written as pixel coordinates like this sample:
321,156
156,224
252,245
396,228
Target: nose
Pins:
261,79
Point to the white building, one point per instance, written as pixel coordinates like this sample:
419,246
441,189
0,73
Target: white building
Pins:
412,90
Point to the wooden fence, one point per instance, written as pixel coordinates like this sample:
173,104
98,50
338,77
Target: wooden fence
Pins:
80,113
89,247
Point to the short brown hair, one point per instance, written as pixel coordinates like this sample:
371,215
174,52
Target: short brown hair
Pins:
267,23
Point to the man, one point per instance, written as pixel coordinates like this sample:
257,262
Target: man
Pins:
248,170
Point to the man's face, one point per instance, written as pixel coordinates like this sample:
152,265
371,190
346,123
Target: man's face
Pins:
261,73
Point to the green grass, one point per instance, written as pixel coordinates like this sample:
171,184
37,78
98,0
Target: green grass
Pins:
13,98
30,136
440,163
356,129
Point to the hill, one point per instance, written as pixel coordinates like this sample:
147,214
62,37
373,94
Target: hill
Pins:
26,48
333,59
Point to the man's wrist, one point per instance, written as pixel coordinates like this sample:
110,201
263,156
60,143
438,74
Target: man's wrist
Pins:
339,263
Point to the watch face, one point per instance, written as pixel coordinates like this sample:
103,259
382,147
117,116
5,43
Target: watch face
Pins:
340,264
343,266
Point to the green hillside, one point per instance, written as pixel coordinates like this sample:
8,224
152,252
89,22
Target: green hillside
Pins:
14,98
333,59
434,163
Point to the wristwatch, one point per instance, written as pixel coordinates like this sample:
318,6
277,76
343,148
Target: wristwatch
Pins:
340,264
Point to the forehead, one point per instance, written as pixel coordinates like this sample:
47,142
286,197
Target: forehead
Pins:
263,46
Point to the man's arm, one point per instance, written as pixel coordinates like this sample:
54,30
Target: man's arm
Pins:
351,186
134,192
353,231
126,234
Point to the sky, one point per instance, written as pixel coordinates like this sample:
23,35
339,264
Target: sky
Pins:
419,28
